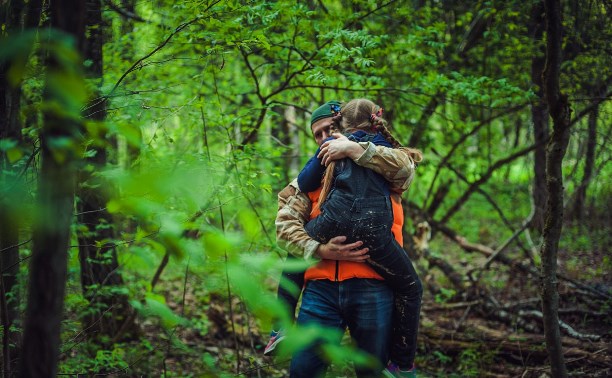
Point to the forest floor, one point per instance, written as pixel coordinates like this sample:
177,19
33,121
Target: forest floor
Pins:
491,330
453,342
460,338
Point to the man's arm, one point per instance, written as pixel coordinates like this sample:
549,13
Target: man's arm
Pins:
393,164
293,212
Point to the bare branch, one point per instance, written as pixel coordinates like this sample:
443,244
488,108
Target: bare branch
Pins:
464,137
177,30
484,178
124,12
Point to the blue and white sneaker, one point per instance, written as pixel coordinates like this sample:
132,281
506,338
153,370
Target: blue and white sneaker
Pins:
275,338
393,371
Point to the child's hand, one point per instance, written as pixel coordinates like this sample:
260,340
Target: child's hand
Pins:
339,148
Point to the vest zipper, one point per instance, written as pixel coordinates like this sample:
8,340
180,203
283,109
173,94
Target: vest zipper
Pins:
337,267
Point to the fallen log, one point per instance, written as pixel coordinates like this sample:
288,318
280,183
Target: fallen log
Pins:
443,335
488,252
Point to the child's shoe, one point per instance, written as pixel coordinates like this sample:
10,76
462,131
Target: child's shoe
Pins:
275,339
393,371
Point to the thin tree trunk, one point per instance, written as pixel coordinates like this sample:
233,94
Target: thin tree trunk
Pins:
132,150
291,122
539,117
419,130
288,135
578,207
97,254
9,232
560,112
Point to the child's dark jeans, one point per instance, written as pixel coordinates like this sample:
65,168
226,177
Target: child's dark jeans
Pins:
369,220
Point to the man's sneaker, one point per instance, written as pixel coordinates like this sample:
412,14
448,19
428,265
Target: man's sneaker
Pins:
275,338
393,371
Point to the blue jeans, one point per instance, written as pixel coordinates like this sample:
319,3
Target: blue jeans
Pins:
365,306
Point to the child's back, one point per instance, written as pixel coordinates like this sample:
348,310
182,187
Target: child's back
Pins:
358,205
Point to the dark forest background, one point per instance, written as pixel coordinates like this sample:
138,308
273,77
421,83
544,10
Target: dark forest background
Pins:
142,144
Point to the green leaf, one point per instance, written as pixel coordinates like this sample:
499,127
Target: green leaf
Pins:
215,243
69,89
250,223
172,243
155,306
132,134
62,147
14,154
113,206
15,50
6,144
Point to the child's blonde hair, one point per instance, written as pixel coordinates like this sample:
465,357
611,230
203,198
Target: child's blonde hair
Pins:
363,114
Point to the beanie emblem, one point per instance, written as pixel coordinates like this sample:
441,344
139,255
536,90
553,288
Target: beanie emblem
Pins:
335,109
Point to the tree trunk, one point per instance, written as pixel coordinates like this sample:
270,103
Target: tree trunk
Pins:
560,112
420,126
539,117
9,310
51,229
132,151
97,254
577,212
288,135
11,194
9,226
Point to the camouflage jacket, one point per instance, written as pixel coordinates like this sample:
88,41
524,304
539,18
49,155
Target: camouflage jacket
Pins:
294,206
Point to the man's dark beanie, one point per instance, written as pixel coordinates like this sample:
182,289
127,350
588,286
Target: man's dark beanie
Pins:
323,111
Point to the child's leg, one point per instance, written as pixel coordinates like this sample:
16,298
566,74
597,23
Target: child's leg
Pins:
369,220
393,264
322,228
370,223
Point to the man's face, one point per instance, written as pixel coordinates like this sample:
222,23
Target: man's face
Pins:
321,129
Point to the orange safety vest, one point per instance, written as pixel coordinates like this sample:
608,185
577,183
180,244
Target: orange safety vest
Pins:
336,270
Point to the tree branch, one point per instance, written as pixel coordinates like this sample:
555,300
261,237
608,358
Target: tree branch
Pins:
123,12
464,137
177,30
476,184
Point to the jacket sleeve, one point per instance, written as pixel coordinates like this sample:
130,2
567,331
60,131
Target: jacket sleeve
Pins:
311,175
293,213
393,164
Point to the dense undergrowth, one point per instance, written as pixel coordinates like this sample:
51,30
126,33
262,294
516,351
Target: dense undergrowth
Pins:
197,331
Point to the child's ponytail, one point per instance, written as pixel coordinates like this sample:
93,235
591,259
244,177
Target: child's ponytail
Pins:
328,177
380,125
